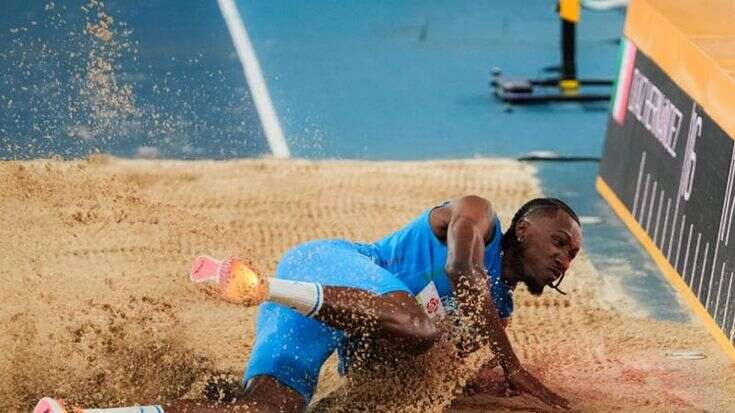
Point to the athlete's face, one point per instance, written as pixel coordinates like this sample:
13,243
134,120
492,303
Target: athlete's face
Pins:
549,242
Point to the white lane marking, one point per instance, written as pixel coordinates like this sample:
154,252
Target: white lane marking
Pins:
678,246
727,302
650,207
673,227
719,290
728,207
638,184
642,211
673,230
666,225
686,256
254,77
712,275
701,275
658,216
694,263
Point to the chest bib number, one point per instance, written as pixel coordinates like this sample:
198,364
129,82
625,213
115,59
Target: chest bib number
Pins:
430,301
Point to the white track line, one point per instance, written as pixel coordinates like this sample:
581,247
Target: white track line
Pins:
678,245
719,290
701,275
638,184
254,77
650,208
727,302
712,275
658,216
728,201
666,225
686,256
694,263
642,211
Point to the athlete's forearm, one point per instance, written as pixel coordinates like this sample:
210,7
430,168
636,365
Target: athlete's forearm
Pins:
477,310
361,313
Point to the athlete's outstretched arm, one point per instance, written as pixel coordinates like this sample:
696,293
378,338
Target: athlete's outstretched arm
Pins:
473,218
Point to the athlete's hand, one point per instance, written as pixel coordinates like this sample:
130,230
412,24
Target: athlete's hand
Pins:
523,381
490,381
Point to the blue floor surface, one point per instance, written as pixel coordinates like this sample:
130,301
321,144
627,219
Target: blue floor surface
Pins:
409,80
189,89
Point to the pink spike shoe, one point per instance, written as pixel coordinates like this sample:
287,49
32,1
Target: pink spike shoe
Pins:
236,282
49,405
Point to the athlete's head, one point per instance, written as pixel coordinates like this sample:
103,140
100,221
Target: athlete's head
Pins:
543,239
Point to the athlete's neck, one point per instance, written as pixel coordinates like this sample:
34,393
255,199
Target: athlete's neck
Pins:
512,267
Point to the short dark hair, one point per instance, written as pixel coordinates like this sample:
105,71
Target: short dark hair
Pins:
531,207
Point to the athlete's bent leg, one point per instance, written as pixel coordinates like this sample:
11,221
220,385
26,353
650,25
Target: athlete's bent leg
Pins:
359,299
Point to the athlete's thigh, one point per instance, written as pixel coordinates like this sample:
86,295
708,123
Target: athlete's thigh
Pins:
337,263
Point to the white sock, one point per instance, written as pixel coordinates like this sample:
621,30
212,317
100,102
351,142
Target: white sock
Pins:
303,297
51,405
136,409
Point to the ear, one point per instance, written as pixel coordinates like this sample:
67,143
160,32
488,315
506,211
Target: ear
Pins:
521,229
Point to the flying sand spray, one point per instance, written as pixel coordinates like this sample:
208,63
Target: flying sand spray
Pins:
236,283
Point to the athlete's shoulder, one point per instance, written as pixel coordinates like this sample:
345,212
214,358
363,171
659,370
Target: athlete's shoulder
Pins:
474,207
476,210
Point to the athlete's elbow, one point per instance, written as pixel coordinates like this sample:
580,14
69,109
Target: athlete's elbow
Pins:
424,336
416,334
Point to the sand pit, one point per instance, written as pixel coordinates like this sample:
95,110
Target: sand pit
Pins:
97,307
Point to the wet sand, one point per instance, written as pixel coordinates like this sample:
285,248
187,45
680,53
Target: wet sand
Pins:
97,306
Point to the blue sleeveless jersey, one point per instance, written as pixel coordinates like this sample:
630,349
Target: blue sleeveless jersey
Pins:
417,257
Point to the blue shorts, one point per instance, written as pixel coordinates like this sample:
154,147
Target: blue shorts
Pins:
291,347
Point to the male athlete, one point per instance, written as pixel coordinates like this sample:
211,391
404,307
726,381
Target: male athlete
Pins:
332,294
